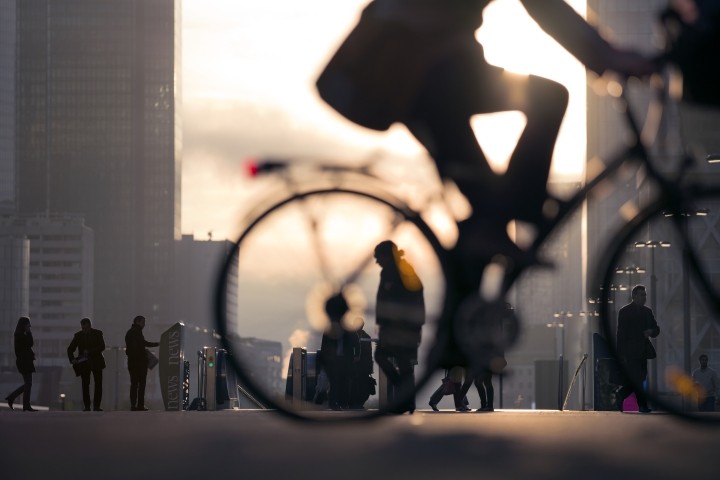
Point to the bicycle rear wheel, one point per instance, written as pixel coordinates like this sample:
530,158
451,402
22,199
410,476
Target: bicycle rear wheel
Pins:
295,260
675,253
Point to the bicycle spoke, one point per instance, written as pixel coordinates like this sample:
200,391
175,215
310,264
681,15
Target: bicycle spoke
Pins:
285,300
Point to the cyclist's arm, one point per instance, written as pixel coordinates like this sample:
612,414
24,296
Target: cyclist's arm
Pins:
561,22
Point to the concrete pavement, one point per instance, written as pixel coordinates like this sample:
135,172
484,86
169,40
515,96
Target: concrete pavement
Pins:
253,444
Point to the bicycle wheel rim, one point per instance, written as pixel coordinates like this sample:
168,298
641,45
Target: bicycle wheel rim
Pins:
676,394
409,219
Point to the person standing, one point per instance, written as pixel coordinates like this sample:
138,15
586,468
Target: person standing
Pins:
706,379
336,352
489,356
636,324
25,362
400,315
135,345
485,389
363,384
90,344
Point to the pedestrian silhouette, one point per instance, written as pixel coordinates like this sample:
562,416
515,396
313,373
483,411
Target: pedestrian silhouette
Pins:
493,330
137,356
400,315
708,385
89,344
336,352
451,385
362,385
636,324
25,363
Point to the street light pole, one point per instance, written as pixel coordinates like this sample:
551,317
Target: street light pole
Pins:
684,215
558,324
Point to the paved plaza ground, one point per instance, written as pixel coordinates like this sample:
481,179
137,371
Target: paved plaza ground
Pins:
255,444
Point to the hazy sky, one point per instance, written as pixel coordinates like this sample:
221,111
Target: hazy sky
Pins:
248,90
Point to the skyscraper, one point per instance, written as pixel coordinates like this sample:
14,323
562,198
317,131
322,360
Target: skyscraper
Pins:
97,134
7,105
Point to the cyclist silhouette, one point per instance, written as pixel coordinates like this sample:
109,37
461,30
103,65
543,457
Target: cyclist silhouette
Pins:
417,62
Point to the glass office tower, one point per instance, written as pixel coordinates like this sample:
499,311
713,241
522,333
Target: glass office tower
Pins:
98,134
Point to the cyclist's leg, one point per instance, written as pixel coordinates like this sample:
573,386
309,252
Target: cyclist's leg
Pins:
462,85
545,103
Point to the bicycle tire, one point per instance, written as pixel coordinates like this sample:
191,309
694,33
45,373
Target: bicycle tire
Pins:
408,219
693,270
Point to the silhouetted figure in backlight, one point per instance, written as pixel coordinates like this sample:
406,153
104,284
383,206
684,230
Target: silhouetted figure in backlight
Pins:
400,315
362,383
418,62
337,351
25,363
636,324
90,344
135,349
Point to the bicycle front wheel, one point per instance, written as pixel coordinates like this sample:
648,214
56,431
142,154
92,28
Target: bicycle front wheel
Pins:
289,268
673,250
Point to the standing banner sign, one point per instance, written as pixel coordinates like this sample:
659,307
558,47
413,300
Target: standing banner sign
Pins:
172,360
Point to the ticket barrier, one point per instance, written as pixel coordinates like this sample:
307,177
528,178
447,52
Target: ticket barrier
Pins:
217,385
302,376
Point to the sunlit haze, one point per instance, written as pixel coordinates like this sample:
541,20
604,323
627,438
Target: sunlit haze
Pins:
248,90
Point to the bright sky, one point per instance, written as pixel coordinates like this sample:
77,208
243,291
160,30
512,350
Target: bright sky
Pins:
269,53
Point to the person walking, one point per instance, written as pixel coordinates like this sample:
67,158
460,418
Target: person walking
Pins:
25,362
135,345
706,379
90,344
636,324
451,385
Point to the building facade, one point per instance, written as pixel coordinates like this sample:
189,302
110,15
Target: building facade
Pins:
60,279
687,322
97,133
14,290
8,42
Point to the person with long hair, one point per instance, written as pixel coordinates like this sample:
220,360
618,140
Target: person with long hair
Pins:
25,362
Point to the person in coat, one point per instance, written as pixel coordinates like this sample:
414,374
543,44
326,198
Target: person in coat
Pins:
636,324
25,362
89,344
336,353
137,357
400,315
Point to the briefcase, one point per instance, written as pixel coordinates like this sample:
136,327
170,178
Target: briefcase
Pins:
81,365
